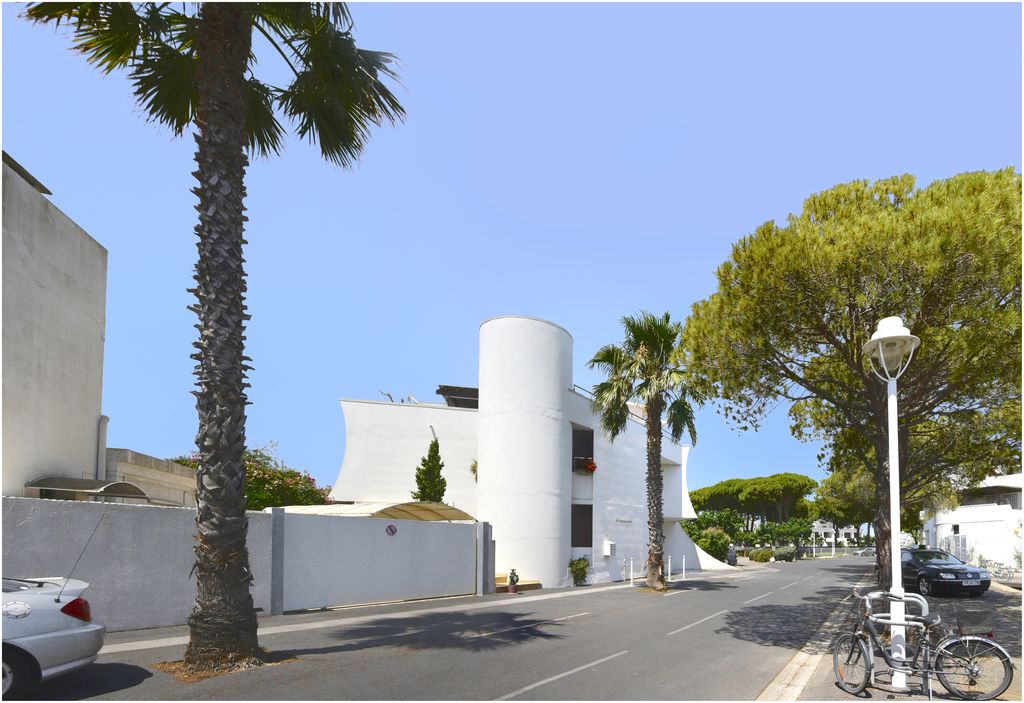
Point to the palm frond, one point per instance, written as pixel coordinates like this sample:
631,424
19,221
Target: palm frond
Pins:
264,134
680,417
611,398
166,86
338,93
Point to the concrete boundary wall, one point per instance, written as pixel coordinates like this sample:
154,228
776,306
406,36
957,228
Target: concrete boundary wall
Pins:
139,561
334,560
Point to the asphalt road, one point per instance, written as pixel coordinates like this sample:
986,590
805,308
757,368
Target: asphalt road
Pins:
712,637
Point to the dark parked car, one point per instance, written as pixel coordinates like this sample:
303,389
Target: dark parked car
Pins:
936,571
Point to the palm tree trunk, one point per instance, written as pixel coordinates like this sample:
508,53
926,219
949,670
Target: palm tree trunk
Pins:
655,482
222,625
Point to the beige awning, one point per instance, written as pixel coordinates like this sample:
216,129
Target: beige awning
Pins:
395,511
90,486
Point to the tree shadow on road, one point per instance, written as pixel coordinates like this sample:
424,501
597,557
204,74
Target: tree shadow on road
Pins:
470,631
87,682
788,626
700,586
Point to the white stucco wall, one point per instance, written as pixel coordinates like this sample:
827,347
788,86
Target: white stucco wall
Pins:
620,498
330,560
54,302
525,482
989,529
137,566
384,443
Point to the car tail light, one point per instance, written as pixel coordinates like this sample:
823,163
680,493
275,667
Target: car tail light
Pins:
78,608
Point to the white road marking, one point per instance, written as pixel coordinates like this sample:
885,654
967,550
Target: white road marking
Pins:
808,577
764,595
693,624
523,627
788,585
578,669
676,593
743,578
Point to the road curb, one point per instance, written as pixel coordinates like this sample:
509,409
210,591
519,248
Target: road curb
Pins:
790,682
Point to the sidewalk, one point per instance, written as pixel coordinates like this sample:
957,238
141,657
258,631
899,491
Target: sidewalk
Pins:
816,659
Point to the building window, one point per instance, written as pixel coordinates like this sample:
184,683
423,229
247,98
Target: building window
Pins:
583,526
582,448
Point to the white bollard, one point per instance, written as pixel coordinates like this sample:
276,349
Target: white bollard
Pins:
684,568
631,571
669,579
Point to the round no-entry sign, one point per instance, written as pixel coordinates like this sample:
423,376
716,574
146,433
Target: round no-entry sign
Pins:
391,530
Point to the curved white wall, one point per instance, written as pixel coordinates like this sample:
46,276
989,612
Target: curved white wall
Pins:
524,484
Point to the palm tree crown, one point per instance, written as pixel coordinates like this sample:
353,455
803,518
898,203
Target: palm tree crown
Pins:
644,369
335,95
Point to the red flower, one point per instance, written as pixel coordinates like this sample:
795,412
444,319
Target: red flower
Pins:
591,467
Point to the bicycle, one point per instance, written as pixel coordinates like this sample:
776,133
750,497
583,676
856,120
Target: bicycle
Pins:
1001,572
969,666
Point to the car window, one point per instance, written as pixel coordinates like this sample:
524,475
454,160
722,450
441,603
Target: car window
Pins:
936,557
10,586
907,557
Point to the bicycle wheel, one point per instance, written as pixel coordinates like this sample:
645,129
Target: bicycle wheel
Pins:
974,668
851,664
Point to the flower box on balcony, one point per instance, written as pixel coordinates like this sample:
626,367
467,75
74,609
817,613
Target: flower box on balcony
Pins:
583,465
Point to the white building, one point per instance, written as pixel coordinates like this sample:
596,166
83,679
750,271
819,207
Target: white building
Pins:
987,525
823,532
54,326
532,434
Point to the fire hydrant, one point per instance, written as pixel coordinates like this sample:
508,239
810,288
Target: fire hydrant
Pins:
513,579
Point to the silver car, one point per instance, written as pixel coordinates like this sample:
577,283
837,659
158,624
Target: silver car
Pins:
48,630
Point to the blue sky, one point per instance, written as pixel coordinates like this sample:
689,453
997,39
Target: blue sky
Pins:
571,162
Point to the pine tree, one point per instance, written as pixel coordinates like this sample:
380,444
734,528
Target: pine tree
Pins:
430,484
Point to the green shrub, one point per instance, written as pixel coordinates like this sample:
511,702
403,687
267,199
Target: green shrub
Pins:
761,555
578,571
715,542
785,553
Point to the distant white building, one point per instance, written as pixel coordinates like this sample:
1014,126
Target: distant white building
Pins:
987,525
823,533
532,434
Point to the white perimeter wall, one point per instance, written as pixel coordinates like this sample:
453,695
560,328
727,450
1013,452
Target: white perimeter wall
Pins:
137,565
54,302
384,443
332,560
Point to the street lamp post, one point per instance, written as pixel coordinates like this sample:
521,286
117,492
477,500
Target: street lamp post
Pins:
890,350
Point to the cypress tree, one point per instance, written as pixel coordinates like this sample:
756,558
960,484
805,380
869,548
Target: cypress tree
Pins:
430,484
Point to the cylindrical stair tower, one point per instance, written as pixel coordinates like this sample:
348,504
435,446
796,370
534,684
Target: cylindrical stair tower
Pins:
524,485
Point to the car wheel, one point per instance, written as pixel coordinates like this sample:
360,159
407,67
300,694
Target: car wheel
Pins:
924,586
16,672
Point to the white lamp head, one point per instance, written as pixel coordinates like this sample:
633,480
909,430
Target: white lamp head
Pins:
890,345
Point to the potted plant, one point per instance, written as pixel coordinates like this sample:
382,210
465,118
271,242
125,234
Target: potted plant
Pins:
578,570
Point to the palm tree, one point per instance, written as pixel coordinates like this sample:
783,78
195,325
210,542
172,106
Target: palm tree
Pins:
646,370
193,65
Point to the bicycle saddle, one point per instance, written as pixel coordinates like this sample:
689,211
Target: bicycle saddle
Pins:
928,620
